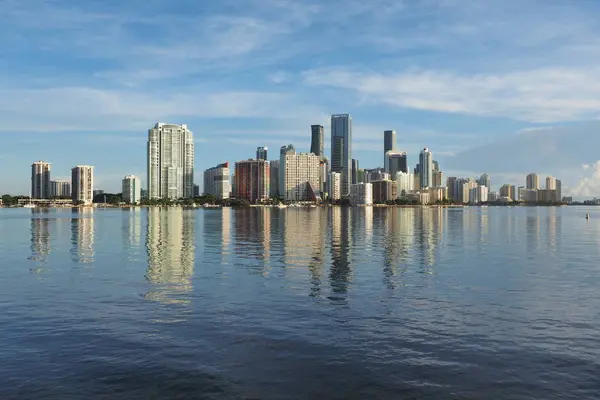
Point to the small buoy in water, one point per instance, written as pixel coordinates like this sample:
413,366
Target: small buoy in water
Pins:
587,216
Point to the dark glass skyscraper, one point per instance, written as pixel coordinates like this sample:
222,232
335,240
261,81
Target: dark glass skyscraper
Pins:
261,153
354,171
341,149
389,141
317,144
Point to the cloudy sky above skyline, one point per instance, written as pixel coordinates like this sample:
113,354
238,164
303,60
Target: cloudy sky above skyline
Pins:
503,87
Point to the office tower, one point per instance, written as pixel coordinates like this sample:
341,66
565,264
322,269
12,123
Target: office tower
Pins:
436,178
317,143
335,186
341,149
361,194
261,153
484,180
216,181
551,183
170,161
132,189
384,191
40,180
82,184
425,168
60,188
196,190
354,171
451,185
508,191
301,176
533,181
323,175
389,141
558,190
274,179
252,180
395,161
361,175
405,183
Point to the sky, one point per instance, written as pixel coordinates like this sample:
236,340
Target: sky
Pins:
496,86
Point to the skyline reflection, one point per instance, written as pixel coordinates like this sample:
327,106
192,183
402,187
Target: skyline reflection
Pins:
82,235
40,236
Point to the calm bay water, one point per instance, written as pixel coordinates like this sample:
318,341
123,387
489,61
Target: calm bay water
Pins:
480,303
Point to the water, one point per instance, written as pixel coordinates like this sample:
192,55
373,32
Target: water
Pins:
496,303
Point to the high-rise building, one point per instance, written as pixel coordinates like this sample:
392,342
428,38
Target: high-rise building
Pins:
170,161
252,180
301,176
216,181
484,180
533,181
323,175
521,192
389,141
274,179
405,183
558,190
395,161
354,171
40,180
551,183
478,194
82,184
196,190
341,149
261,153
384,191
437,178
547,196
435,166
361,194
426,168
317,143
467,186
451,185
60,188
131,189
335,186
361,176
508,191
283,151
376,174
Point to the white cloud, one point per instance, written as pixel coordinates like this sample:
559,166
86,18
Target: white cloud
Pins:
541,95
588,185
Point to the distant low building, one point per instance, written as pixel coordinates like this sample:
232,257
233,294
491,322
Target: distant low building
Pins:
567,200
418,197
437,194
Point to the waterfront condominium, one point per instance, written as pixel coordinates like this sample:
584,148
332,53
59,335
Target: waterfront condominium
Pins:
170,161
40,180
301,176
317,143
533,182
289,149
131,189
274,179
335,190
60,188
82,184
216,181
341,149
425,168
252,180
261,153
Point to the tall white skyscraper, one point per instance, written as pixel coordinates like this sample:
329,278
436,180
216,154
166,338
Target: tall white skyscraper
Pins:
341,149
425,168
533,181
551,183
170,161
300,170
132,189
40,180
82,184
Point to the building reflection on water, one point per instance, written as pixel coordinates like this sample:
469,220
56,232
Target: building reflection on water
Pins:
398,231
340,273
82,235
252,237
170,244
40,235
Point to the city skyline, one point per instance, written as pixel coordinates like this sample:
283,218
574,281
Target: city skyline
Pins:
283,72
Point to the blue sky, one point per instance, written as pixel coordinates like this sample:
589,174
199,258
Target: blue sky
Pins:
503,87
